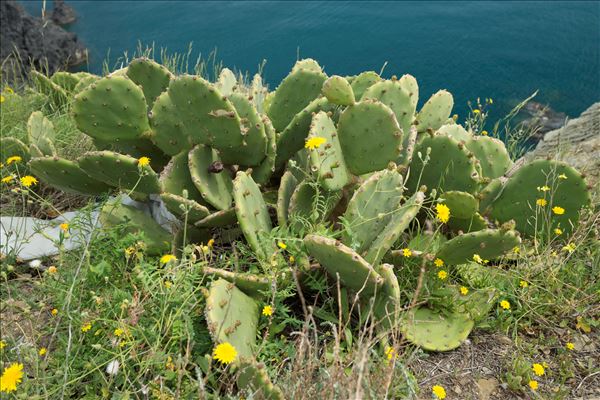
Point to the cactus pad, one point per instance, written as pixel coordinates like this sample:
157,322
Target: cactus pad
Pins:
461,204
287,186
167,134
338,91
472,224
435,112
520,193
111,108
354,272
232,317
364,81
215,187
152,77
456,132
492,155
66,175
120,171
254,146
294,93
370,136
263,172
434,331
487,243
136,148
251,284
252,214
450,167
410,86
254,376
57,95
218,219
327,160
396,98
227,82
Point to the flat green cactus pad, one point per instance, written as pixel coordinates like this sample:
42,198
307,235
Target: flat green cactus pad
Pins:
254,146
65,80
66,175
338,91
176,177
450,167
263,172
120,170
252,214
472,224
309,204
232,317
156,239
456,132
327,161
254,376
393,95
111,108
492,155
307,64
410,86
398,223
487,243
136,148
251,284
409,141
435,112
218,219
294,93
287,186
167,127
489,194
152,77
436,332
364,81
293,137
522,190
84,82
354,272
370,136
227,82
215,187
179,206
387,303
39,127
461,204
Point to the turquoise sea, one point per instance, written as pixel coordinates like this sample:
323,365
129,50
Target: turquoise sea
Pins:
500,49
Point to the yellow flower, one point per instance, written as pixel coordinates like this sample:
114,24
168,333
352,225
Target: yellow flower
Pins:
211,243
64,226
505,304
2,344
52,270
2,99
558,231
516,250
406,252
314,142
13,159
464,290
205,249
442,274
541,202
129,251
11,377
523,284
543,188
477,258
476,111
118,332
558,210
562,176
533,384
438,262
282,245
168,284
86,327
225,353
28,180
570,248
484,133
443,213
167,258
292,259
267,311
143,161
169,364
54,312
570,346
491,101
538,369
43,351
439,392
8,89
8,179
390,353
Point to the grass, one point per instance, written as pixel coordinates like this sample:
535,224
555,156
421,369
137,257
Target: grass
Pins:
116,303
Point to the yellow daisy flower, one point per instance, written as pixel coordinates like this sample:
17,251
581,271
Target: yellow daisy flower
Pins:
13,159
443,212
505,304
11,377
464,290
143,161
8,179
225,353
523,284
538,369
86,327
267,311
314,142
570,346
282,245
533,384
167,258
28,180
42,351
439,392
442,274
541,202
438,262
558,210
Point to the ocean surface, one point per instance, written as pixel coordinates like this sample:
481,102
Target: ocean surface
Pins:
505,50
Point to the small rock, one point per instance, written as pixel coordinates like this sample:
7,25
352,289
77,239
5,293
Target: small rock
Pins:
62,14
486,387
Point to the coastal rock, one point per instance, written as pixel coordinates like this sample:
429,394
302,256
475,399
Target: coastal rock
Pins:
543,117
40,43
576,143
62,14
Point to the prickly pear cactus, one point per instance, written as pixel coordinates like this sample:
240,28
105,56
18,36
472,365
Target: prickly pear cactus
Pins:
435,112
66,175
488,244
364,81
150,76
492,155
393,95
338,91
254,376
210,178
461,204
